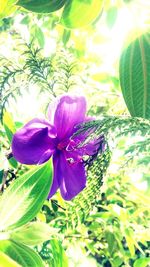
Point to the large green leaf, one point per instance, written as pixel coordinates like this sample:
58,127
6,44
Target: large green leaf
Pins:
24,197
7,261
22,254
78,13
142,262
33,233
135,76
41,6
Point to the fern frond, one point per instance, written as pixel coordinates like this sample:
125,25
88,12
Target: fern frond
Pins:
65,72
39,68
53,75
113,127
139,147
8,78
84,203
110,127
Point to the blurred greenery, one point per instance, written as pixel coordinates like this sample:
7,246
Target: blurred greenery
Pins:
51,48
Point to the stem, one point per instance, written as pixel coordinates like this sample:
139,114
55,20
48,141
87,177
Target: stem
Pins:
53,201
4,181
94,238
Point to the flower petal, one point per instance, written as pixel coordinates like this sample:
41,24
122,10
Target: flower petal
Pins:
73,178
52,109
70,111
34,143
94,146
57,174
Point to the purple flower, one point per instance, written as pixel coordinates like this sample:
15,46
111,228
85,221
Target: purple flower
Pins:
40,139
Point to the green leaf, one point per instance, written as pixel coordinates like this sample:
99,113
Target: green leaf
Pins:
117,261
59,258
9,133
38,34
41,6
111,241
25,196
23,255
78,13
66,36
7,261
9,125
25,20
135,76
142,262
13,163
111,16
7,7
127,1
10,129
33,233
1,175
130,241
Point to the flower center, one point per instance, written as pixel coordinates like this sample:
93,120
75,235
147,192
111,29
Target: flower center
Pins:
62,145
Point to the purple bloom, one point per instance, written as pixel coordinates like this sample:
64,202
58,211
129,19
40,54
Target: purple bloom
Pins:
40,139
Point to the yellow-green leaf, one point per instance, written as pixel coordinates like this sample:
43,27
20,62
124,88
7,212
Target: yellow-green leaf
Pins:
9,125
142,262
33,233
78,13
7,261
23,255
7,7
130,241
25,196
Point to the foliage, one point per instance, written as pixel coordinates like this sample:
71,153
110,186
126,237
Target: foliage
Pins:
134,76
51,74
21,192
25,256
41,6
107,224
77,14
19,206
7,7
